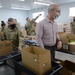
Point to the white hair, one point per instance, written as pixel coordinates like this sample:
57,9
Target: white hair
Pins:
51,7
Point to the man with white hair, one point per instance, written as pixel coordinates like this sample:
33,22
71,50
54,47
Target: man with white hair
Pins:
47,32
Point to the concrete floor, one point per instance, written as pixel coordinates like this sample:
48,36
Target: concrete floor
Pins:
5,70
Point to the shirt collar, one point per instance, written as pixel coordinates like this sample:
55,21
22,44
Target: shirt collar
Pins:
48,20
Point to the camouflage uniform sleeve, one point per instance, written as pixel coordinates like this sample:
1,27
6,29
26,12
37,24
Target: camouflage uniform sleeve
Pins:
73,27
21,37
27,25
35,18
4,33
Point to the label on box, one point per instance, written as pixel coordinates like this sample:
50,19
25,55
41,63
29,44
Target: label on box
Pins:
65,47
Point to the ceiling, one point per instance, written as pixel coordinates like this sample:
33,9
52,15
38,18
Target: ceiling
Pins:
28,4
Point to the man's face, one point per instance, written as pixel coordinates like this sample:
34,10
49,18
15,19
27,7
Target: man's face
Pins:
28,19
15,20
55,13
11,22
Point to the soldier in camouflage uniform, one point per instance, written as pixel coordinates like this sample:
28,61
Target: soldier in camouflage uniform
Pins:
73,25
13,33
30,26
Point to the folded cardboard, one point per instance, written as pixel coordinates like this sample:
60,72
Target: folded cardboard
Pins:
36,59
5,47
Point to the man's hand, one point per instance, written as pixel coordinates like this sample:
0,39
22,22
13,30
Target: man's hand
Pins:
40,14
19,49
59,45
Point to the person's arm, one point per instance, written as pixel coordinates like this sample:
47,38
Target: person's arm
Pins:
5,33
59,43
39,34
58,38
36,17
27,25
21,38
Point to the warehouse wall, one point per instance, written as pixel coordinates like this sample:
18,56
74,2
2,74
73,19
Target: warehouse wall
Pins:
17,14
30,13
65,12
64,17
21,15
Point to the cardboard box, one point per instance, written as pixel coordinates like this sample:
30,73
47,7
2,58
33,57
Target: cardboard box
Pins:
68,68
71,47
63,38
71,36
36,59
5,47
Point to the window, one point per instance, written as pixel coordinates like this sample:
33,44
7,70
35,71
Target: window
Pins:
72,12
40,18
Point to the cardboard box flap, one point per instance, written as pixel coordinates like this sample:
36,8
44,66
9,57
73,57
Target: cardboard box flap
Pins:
63,35
71,36
28,49
35,50
39,51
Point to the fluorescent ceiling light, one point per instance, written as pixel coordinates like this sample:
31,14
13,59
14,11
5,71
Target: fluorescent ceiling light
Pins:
42,3
21,0
19,8
0,6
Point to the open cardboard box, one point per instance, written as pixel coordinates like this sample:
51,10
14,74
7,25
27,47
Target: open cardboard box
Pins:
5,47
65,37
68,68
36,59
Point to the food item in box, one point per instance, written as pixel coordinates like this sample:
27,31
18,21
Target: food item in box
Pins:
36,59
70,41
